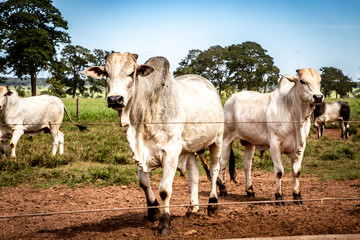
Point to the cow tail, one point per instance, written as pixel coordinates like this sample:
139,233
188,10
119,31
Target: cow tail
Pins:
232,171
81,128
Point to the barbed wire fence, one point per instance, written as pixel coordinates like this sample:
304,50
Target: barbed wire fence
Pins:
44,214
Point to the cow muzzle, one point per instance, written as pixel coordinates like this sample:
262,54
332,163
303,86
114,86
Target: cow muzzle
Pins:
318,98
115,102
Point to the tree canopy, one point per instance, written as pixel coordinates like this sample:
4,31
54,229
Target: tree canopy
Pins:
333,79
30,31
66,73
243,66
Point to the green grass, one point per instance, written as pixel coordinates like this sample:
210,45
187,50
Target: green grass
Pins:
100,155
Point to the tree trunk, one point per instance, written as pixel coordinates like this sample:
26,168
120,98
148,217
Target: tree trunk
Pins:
33,83
265,87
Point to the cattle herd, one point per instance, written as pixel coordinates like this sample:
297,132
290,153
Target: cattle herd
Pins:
167,121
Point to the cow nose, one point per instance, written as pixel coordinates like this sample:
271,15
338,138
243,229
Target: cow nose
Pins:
318,98
115,101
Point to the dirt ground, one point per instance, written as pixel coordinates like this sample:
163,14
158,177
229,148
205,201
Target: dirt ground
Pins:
233,221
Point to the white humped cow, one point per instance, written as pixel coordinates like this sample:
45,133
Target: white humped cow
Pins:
166,121
30,116
279,120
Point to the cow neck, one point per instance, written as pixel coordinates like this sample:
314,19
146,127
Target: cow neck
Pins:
300,112
10,101
147,94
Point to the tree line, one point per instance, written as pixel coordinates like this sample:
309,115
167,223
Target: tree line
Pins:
33,38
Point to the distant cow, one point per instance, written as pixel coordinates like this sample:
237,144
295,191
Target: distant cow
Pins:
30,116
279,120
330,112
166,121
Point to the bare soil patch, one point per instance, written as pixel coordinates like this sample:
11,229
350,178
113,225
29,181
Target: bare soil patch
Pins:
234,221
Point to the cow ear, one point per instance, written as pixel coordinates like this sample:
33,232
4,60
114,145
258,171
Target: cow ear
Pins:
144,70
291,78
135,56
95,72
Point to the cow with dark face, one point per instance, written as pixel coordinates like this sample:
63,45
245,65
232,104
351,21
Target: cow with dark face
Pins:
331,112
166,122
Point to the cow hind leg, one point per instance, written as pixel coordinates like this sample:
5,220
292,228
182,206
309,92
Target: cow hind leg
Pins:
4,147
61,142
55,144
248,156
215,152
153,213
193,172
278,171
225,153
56,137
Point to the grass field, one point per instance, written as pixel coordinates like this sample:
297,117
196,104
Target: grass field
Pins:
100,155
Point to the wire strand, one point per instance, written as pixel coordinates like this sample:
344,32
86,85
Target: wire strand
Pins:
322,200
169,123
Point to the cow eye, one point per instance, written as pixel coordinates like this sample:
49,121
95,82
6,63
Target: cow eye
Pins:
131,74
302,82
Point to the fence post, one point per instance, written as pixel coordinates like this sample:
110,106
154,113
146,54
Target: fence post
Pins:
77,108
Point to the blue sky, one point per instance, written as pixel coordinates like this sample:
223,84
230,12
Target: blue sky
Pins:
297,34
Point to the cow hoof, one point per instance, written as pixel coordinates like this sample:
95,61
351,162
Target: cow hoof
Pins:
213,210
191,213
250,194
298,199
279,198
164,225
223,191
165,232
153,214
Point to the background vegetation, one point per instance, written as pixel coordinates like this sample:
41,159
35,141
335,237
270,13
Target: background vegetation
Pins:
100,156
33,39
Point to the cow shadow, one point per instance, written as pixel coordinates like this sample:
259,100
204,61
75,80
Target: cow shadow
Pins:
234,197
112,224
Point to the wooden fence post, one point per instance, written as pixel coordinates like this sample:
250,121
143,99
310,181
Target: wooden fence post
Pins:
77,108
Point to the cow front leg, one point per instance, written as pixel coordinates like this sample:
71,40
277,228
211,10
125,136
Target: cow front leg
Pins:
275,152
165,190
13,142
342,127
4,147
322,129
153,213
248,156
347,126
193,173
296,169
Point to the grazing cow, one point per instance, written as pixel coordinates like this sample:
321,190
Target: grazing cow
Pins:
279,120
31,116
166,121
329,112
